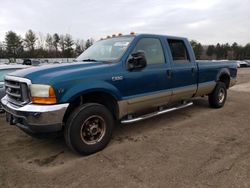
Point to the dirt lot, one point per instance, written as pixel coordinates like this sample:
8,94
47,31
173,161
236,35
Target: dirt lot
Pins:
193,147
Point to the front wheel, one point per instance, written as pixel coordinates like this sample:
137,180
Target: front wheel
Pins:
218,97
89,128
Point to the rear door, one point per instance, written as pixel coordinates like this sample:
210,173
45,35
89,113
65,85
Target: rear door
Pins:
184,70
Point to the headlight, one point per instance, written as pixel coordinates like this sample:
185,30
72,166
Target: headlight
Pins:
42,94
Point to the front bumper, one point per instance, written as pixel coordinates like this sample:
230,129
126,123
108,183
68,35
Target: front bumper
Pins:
1,109
35,118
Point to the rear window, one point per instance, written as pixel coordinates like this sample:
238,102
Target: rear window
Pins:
179,51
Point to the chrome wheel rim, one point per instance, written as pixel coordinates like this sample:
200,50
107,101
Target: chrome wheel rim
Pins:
221,95
93,130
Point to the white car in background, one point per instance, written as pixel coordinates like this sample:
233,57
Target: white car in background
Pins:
248,62
242,64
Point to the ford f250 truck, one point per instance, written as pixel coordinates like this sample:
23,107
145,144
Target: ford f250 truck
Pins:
120,79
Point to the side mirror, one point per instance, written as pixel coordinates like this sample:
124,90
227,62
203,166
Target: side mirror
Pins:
137,61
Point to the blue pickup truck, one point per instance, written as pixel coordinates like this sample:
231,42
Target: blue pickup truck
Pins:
119,79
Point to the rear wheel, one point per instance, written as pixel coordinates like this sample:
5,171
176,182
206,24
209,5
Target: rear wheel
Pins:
89,128
218,97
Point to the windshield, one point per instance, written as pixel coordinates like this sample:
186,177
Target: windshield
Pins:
110,50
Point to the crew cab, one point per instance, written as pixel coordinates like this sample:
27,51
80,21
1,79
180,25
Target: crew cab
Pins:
119,79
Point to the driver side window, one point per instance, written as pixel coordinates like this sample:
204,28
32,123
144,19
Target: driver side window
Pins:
153,50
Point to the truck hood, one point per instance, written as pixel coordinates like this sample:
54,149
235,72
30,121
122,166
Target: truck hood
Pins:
52,73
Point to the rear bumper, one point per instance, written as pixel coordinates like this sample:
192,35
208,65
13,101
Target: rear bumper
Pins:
35,118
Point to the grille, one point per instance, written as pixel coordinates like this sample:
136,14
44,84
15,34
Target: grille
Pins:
17,92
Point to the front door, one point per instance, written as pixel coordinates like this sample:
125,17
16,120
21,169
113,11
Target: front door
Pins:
149,87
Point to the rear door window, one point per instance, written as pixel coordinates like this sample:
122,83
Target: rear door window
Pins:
179,51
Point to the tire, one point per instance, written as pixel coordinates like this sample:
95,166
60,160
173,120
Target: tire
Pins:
89,128
218,97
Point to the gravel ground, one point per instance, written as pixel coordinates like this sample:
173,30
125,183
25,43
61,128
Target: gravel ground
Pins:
193,147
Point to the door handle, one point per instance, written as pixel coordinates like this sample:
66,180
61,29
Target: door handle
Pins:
169,74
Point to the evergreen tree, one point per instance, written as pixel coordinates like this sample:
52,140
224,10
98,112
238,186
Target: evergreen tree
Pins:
197,47
235,48
68,42
218,51
89,43
56,40
30,40
226,48
79,47
210,50
247,51
13,44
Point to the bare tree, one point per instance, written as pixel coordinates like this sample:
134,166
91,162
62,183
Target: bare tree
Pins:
40,41
49,42
62,43
2,50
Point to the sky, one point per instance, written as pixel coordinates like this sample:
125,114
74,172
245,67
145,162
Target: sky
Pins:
207,21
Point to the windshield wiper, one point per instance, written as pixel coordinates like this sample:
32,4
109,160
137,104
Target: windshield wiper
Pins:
93,60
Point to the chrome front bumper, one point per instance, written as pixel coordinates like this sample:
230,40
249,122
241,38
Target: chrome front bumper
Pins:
35,118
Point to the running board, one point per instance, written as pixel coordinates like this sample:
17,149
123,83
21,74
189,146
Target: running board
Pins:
156,113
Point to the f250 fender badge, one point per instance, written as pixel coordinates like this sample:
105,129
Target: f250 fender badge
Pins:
117,78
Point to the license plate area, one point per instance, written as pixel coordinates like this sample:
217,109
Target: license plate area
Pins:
8,117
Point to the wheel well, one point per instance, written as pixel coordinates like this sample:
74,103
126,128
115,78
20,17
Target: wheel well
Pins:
94,97
225,79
